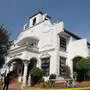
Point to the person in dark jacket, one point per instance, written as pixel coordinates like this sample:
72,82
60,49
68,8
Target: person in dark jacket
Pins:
6,83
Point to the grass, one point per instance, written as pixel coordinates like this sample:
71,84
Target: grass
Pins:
28,88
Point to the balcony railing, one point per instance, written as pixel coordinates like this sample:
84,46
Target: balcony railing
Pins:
24,48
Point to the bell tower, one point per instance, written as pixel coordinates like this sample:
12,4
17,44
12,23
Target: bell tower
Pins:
37,18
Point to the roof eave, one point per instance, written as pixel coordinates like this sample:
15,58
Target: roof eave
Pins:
72,34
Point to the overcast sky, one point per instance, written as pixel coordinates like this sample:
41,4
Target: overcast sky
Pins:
74,13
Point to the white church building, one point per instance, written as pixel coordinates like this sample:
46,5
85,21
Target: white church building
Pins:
50,44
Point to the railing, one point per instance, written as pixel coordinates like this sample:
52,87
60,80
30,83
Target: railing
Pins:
24,47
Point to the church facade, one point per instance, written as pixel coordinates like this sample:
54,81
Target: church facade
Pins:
47,43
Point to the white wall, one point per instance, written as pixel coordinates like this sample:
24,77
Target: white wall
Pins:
39,18
53,62
76,48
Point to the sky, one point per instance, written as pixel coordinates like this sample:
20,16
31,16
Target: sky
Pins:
75,14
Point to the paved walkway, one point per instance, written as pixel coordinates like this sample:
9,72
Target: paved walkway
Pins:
14,86
17,86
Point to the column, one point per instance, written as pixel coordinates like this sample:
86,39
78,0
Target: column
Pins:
25,72
19,73
20,78
29,80
7,70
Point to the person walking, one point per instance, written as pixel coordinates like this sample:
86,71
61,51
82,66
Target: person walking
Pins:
6,83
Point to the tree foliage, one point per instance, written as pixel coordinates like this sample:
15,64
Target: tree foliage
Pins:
36,75
75,60
5,44
84,64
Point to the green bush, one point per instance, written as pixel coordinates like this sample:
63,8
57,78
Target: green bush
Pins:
36,75
52,76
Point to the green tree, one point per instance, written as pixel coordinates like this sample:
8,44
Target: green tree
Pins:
84,63
5,44
83,66
36,75
75,60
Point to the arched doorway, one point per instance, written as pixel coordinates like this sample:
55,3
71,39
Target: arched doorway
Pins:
33,62
76,73
31,65
16,67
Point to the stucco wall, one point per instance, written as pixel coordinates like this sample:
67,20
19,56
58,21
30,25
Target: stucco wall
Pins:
74,49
